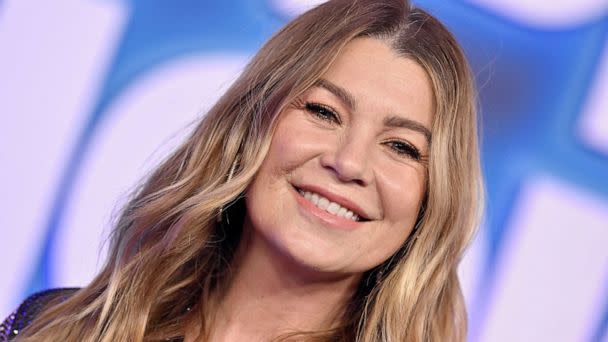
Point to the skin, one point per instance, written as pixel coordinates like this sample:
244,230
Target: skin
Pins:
294,269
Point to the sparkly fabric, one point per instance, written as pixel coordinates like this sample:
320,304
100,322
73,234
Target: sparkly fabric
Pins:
28,310
31,307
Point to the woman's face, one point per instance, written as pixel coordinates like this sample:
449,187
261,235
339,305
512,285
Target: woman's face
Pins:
342,184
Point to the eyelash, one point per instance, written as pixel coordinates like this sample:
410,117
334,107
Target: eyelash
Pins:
405,149
323,112
327,113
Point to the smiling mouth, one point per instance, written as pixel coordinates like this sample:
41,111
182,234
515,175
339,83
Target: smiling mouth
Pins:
333,208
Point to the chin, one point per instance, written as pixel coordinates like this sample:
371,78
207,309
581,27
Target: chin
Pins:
307,249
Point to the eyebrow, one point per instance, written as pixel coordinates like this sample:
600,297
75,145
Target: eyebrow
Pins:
339,92
393,121
399,122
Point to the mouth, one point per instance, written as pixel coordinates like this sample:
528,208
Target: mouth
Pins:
332,205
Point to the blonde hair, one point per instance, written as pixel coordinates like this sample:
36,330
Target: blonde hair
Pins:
169,253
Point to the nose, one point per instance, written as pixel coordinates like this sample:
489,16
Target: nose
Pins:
349,160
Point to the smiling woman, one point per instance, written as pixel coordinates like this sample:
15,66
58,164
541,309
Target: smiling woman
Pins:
327,196
333,155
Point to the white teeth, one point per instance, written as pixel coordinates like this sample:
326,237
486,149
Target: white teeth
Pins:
323,203
331,207
314,199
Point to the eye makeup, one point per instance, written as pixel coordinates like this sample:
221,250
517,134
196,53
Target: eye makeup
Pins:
404,148
323,112
326,113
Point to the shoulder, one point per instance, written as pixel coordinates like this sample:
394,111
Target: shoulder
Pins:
29,309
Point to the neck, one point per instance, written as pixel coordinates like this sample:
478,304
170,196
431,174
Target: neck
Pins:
270,295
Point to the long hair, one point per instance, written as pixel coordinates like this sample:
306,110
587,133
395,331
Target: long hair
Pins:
169,256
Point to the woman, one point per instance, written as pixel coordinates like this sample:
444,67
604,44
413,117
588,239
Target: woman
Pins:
328,195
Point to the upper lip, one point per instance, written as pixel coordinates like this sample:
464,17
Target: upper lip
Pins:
342,201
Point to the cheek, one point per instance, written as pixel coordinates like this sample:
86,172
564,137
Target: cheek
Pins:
266,207
296,142
288,151
402,195
400,200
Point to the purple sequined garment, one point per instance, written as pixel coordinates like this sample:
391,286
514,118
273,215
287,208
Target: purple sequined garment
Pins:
29,309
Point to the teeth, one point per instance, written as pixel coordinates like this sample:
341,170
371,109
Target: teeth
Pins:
323,203
331,207
314,198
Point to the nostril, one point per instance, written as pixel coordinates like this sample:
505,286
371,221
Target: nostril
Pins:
359,182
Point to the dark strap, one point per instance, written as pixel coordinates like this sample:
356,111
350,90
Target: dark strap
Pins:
29,309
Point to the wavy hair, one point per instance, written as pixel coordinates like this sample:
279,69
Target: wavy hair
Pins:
169,253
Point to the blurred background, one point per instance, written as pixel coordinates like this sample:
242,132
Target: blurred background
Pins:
94,93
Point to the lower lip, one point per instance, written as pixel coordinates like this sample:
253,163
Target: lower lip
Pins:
328,219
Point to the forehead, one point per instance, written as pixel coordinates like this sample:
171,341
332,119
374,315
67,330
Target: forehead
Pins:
383,82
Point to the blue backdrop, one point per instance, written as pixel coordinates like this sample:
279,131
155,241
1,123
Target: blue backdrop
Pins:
94,93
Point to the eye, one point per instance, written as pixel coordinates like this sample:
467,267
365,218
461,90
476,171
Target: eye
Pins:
404,149
323,112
